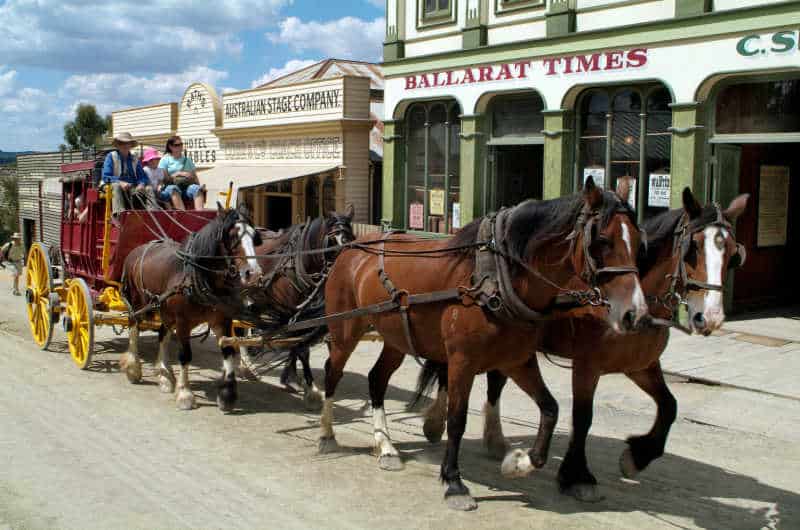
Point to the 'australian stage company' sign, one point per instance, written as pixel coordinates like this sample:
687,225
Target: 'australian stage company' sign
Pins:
313,100
549,66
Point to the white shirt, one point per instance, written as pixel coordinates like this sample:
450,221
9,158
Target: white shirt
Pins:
156,176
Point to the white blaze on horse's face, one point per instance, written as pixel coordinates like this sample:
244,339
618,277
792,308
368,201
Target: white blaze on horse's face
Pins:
246,239
638,299
706,310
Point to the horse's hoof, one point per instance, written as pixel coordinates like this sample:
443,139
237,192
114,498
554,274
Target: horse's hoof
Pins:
462,503
166,385
132,367
312,399
517,464
390,463
327,446
627,466
225,405
497,448
185,400
226,398
585,492
433,430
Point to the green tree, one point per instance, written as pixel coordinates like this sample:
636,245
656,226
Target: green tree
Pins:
9,213
86,130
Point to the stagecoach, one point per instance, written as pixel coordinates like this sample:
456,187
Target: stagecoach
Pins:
80,283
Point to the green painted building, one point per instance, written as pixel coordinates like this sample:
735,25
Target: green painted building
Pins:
490,102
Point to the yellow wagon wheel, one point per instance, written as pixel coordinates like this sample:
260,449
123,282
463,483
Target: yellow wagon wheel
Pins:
79,323
40,297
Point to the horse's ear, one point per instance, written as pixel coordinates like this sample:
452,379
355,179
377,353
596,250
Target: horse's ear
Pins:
624,189
349,210
690,204
737,207
592,194
220,209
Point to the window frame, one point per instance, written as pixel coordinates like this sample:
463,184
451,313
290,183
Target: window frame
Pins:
508,7
438,17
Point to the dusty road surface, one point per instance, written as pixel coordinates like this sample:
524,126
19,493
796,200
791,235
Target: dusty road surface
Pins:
87,450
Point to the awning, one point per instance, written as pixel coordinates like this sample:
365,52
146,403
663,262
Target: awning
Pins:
217,178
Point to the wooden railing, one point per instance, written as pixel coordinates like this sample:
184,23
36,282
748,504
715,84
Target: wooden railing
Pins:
362,229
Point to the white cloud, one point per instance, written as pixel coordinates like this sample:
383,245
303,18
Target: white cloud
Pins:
127,36
345,38
291,66
7,80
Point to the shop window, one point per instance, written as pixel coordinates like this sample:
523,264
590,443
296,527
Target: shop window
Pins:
432,176
312,197
766,107
517,116
624,133
436,9
329,195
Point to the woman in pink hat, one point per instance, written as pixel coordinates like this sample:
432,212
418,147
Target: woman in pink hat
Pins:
165,191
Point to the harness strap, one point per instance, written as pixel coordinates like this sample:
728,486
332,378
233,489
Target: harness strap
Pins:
397,295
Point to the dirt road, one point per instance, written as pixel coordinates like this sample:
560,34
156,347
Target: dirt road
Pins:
87,450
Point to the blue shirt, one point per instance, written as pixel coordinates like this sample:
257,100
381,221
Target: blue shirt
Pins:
173,165
134,176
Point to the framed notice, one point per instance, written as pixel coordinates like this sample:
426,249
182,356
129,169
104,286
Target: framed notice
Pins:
456,224
415,216
658,191
773,206
598,174
436,204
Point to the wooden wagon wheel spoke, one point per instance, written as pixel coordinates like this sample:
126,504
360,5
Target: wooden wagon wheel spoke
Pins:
80,323
39,285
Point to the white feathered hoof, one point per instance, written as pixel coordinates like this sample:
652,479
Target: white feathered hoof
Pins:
132,368
627,465
185,399
312,399
462,503
327,446
517,464
165,384
390,463
585,492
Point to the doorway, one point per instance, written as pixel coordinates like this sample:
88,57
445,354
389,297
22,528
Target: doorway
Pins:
768,228
28,233
517,174
279,212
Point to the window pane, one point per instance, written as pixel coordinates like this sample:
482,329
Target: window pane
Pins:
593,114
769,107
517,116
430,6
444,4
436,145
329,195
312,198
659,115
416,147
626,127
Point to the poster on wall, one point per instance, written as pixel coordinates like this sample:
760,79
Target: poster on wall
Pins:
415,216
632,194
773,206
437,202
456,224
659,190
598,174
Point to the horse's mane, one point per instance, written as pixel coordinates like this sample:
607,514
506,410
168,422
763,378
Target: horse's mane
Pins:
206,241
537,223
659,231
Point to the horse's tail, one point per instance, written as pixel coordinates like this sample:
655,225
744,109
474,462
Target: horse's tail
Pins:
431,372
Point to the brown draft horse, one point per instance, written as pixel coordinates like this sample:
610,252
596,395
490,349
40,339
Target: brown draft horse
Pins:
190,284
465,335
699,241
290,287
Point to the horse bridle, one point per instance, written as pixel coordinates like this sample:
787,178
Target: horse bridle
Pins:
682,243
591,274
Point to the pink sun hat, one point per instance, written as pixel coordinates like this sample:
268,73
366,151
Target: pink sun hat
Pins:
150,154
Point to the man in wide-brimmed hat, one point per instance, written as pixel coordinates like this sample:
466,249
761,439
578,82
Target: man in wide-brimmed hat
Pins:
14,254
122,170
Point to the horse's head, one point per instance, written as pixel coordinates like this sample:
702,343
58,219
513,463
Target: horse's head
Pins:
606,242
339,227
707,250
239,240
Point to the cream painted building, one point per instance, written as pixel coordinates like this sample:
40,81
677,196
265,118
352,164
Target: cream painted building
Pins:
294,148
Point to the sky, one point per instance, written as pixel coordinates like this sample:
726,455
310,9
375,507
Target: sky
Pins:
56,54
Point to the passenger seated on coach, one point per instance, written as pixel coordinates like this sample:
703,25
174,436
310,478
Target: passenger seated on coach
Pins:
166,191
81,210
122,171
182,172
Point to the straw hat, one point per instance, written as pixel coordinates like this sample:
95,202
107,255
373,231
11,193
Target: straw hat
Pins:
125,138
150,154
